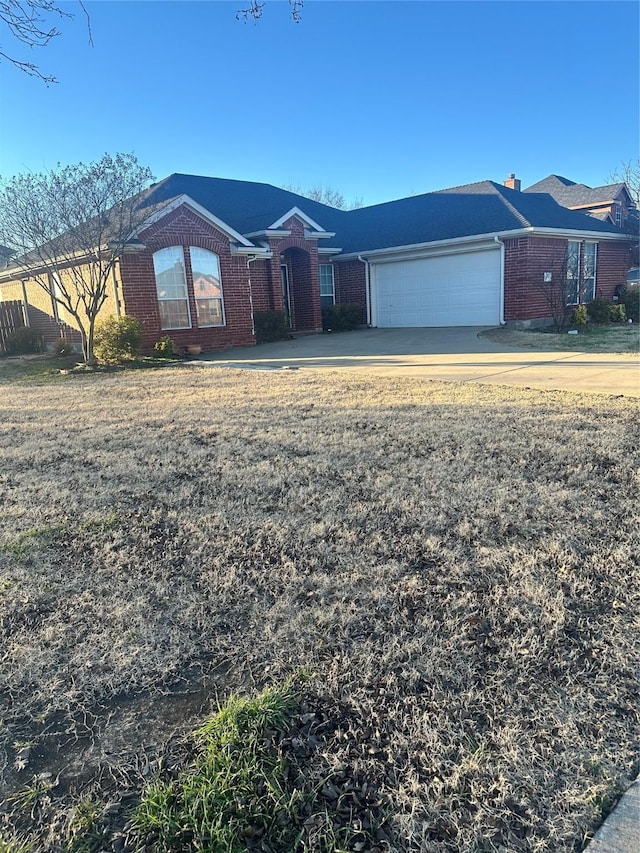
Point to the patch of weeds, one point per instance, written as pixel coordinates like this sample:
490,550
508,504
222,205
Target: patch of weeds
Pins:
29,539
33,798
14,844
82,829
246,789
101,525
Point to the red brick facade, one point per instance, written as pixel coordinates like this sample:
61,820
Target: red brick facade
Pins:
528,258
247,285
184,228
350,281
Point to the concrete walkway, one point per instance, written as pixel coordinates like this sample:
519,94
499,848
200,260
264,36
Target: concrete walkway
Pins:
620,833
451,354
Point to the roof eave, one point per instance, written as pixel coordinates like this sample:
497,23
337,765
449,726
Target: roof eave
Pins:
480,238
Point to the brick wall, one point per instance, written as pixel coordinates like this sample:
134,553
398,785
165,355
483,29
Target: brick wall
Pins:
184,228
613,263
527,258
350,282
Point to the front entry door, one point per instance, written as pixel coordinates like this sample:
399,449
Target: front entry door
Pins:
285,293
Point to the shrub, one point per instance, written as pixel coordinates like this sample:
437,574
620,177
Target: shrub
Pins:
631,301
22,342
270,326
165,347
617,314
579,316
118,339
342,317
62,346
599,310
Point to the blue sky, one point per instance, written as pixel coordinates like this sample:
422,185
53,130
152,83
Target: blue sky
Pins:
376,99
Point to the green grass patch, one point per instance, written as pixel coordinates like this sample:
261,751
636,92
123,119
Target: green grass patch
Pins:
234,790
238,794
591,338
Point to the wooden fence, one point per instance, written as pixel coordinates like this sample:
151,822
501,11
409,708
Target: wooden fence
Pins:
11,318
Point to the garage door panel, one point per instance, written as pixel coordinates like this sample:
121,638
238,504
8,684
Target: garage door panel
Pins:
449,290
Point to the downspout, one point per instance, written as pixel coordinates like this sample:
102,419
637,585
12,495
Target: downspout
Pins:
501,316
25,305
250,259
116,298
367,294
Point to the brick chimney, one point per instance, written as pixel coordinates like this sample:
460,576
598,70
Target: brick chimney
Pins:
513,183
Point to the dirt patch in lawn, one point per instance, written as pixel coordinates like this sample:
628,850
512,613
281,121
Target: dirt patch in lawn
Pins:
455,567
614,339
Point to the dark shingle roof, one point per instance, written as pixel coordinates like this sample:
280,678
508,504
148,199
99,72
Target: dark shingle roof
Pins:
244,205
480,208
570,194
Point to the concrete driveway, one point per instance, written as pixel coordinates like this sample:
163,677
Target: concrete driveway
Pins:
450,354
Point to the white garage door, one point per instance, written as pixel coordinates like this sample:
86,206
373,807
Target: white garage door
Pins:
449,290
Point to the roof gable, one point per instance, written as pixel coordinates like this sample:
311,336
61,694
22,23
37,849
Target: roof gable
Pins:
570,194
164,209
245,206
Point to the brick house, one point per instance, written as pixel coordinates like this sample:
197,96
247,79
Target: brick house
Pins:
213,251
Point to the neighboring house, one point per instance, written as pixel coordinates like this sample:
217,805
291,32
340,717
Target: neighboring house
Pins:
611,203
213,251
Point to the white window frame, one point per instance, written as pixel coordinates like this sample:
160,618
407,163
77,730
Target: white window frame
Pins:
584,270
333,283
209,298
186,290
572,280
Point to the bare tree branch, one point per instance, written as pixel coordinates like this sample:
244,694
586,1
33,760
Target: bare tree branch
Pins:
255,9
30,23
325,195
629,173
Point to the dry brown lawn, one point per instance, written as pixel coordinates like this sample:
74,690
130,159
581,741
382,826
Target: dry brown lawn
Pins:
454,566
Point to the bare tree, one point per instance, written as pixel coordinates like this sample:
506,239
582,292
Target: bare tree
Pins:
629,172
68,227
30,22
253,12
562,285
325,195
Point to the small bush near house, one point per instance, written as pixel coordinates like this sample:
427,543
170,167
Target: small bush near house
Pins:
118,339
617,314
165,347
62,346
22,342
579,317
631,301
270,326
599,310
341,318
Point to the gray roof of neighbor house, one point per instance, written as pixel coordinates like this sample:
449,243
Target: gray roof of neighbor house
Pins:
480,208
570,194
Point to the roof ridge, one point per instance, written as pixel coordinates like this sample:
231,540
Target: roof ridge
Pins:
511,207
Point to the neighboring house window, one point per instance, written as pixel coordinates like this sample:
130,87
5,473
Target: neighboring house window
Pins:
171,287
207,287
327,286
573,272
618,214
589,271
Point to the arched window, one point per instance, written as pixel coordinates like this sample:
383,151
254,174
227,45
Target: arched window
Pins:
207,287
171,287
